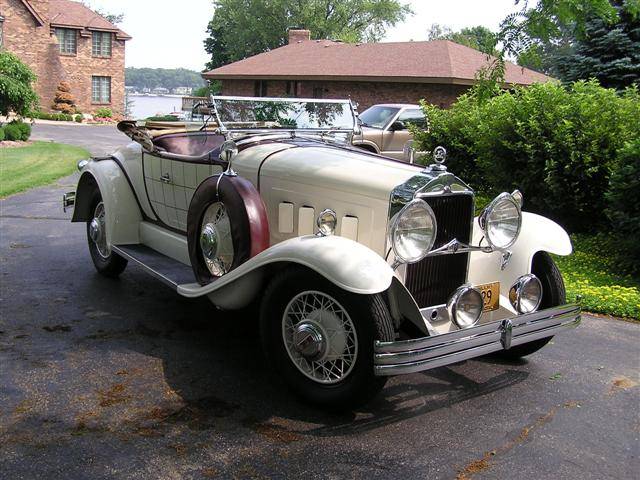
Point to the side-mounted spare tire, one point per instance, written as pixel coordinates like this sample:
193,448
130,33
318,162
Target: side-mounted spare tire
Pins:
227,224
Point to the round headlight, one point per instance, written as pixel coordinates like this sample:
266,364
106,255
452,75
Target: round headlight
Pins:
465,306
501,221
413,231
326,222
525,295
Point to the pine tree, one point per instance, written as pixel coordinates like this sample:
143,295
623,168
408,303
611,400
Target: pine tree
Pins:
609,52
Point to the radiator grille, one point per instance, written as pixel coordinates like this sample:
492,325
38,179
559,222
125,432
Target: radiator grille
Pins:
432,280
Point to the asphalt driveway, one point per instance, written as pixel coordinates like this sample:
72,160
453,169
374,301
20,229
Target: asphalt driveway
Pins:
98,139
122,378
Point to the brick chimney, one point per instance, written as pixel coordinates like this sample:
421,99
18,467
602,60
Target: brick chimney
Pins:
296,36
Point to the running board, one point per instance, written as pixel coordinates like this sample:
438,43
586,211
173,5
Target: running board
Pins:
166,269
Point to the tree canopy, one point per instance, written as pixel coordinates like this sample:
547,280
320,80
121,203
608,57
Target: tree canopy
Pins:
242,28
607,51
478,37
16,91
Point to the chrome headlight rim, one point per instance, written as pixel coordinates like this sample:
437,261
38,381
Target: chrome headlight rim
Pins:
453,306
393,230
489,209
517,289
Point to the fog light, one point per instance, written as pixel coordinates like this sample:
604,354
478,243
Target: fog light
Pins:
465,306
326,222
525,295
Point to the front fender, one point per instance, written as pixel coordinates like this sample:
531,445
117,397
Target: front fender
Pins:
345,263
538,234
123,214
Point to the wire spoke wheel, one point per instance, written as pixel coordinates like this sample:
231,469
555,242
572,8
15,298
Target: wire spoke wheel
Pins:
216,240
319,337
97,231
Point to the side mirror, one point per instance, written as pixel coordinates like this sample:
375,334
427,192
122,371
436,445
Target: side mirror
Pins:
397,125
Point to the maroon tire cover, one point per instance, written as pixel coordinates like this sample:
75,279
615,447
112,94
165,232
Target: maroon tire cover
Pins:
247,216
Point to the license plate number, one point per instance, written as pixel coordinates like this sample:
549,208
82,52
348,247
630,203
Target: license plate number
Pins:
490,296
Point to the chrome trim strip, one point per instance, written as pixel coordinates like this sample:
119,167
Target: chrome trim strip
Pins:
151,271
408,356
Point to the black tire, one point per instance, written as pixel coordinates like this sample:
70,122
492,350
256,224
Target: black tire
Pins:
111,265
370,318
553,294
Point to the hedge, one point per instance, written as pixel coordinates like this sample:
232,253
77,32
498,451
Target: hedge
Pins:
16,131
557,144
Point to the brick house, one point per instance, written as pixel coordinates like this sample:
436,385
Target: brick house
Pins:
64,40
368,73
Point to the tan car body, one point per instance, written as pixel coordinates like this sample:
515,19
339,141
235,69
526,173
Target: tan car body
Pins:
388,141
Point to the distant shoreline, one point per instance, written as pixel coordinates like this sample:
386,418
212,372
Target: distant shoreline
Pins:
156,95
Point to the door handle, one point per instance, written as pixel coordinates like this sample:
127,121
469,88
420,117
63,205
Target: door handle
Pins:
165,178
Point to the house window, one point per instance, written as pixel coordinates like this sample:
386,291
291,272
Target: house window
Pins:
260,88
67,40
101,89
292,88
101,44
318,92
1,28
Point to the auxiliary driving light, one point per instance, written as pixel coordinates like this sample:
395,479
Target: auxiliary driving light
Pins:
525,295
465,306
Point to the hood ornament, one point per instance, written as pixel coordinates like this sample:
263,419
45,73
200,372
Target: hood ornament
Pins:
439,157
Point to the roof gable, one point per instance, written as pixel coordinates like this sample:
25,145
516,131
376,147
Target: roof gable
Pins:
437,61
67,13
33,12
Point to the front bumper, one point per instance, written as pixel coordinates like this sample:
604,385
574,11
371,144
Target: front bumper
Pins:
415,355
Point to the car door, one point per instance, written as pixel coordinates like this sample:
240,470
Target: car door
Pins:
171,183
394,139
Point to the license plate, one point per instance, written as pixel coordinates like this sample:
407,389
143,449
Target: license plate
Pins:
490,296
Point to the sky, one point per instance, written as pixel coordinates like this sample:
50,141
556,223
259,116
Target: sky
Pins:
168,36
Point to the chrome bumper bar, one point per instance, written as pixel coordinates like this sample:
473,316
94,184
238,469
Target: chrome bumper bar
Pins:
415,355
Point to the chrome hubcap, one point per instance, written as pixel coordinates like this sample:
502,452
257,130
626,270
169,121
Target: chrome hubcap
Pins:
309,341
215,240
320,337
97,231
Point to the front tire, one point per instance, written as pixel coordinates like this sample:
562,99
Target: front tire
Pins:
320,338
553,294
107,262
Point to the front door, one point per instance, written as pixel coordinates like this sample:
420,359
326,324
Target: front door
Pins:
393,141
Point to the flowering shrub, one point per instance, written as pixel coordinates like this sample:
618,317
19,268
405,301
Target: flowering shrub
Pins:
592,272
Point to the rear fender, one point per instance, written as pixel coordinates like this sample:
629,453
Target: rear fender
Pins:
123,214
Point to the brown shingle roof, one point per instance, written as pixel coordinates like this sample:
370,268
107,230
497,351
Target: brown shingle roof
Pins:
33,12
67,13
437,61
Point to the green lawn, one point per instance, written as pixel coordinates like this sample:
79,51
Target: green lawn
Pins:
591,272
37,164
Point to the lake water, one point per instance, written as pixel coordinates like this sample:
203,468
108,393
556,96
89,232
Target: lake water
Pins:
149,106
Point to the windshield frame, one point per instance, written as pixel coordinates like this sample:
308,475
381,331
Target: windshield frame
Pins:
228,128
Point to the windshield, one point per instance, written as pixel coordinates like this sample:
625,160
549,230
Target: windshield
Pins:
377,116
246,113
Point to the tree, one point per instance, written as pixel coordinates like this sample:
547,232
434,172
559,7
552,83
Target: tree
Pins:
607,51
242,28
16,90
478,37
63,100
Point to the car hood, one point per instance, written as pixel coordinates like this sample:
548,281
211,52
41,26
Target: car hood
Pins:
337,168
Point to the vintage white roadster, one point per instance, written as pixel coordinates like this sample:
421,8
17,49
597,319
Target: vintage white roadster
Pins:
364,266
